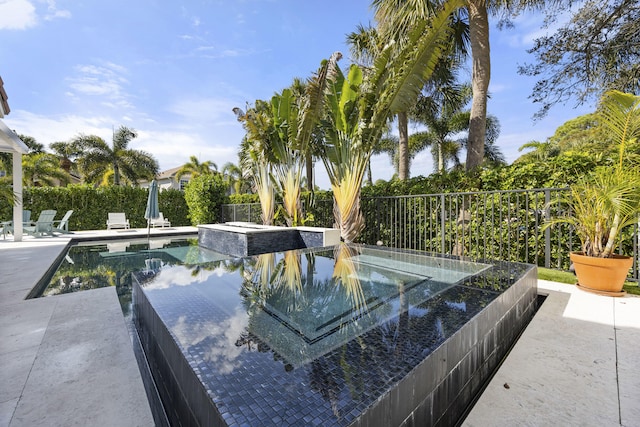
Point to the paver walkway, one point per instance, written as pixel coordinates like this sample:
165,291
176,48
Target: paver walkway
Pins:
575,364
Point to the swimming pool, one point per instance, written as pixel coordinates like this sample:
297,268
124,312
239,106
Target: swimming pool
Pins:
345,335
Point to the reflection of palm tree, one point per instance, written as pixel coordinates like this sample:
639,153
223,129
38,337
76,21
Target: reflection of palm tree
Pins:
288,273
321,379
345,274
264,269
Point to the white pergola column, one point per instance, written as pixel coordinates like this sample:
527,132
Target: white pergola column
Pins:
17,189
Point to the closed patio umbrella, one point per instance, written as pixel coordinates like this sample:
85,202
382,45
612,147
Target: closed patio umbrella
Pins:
153,210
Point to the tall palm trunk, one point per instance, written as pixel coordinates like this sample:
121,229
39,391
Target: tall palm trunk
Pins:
309,170
480,76
116,174
403,146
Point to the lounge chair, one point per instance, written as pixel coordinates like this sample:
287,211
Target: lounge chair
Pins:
62,225
7,226
44,224
161,221
117,220
118,247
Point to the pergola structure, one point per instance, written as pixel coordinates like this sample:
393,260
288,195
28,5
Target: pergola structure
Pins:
11,143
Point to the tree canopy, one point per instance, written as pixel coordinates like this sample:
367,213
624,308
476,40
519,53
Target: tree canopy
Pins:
598,49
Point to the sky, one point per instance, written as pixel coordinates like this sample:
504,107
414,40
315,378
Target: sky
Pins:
173,71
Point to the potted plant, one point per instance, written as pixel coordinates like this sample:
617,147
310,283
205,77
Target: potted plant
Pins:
604,203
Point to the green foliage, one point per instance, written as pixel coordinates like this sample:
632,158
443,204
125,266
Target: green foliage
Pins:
91,205
244,198
554,172
204,195
99,160
593,51
7,196
605,202
173,206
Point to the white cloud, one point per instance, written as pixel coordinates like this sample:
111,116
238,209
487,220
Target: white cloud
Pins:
22,14
17,15
170,143
173,148
53,12
105,80
497,88
48,129
205,110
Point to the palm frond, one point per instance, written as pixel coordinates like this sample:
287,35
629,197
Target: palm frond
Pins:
419,58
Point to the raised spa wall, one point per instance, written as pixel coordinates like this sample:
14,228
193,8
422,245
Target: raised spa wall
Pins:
437,392
246,239
440,389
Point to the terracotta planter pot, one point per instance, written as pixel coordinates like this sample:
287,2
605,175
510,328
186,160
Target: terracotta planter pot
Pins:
602,275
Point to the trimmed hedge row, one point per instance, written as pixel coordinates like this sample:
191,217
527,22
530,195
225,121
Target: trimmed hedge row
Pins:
91,205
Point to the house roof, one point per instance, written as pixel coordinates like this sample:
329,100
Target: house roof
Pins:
10,142
4,104
168,174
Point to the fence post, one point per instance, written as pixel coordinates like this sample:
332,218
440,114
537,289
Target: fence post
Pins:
547,231
378,227
442,223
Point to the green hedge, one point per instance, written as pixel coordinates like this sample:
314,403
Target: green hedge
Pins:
91,205
205,194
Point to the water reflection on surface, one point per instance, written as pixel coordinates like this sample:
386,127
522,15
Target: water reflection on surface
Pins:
298,334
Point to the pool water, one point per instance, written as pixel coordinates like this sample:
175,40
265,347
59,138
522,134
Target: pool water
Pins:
344,335
92,265
303,337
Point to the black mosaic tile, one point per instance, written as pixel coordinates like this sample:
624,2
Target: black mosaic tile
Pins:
261,363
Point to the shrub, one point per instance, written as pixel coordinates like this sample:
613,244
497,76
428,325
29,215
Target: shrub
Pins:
204,195
91,205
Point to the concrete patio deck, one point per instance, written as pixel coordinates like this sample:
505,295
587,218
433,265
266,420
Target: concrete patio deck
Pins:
573,365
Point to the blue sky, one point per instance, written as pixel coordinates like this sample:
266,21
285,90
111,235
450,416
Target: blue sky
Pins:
174,70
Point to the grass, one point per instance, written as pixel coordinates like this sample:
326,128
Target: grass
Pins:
570,278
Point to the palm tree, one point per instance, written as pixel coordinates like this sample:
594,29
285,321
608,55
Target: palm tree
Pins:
34,146
442,114
256,154
365,44
408,12
6,159
395,21
195,168
359,106
68,152
478,11
235,178
42,169
279,135
99,158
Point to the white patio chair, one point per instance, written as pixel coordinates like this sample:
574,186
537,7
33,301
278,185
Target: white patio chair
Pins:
161,221
117,220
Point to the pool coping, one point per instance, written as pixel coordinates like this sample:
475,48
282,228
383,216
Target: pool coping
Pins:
55,369
540,372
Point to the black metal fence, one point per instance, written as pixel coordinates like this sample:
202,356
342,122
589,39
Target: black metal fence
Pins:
502,225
